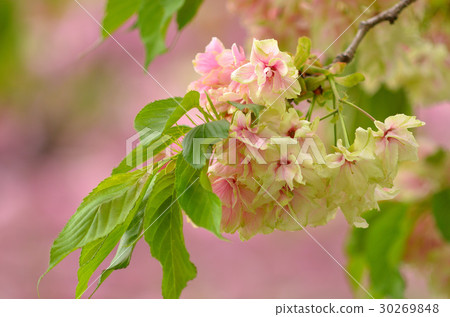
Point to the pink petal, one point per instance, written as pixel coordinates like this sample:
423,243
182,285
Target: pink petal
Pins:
204,63
244,74
238,54
215,46
280,66
264,50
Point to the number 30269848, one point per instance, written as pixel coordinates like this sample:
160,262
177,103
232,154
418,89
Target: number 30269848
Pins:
409,308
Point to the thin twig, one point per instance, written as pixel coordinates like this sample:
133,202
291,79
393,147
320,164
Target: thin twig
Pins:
358,108
336,99
311,107
329,115
389,15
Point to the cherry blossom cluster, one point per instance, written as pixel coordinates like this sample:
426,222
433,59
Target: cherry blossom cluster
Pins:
274,171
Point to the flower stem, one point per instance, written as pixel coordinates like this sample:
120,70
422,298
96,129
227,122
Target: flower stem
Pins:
336,98
329,115
311,107
358,108
201,119
207,116
190,119
212,106
335,133
341,118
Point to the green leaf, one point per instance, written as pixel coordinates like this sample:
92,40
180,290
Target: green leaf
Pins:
151,121
11,54
196,198
198,142
93,254
154,17
142,153
160,115
116,13
107,207
312,83
126,246
187,12
356,262
356,268
350,80
385,247
441,212
256,109
379,250
163,231
189,101
303,51
302,83
437,158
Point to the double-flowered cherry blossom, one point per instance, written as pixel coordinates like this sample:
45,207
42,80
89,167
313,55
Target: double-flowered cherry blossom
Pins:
216,65
395,143
270,74
274,171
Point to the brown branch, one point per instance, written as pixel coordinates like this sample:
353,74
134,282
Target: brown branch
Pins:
389,15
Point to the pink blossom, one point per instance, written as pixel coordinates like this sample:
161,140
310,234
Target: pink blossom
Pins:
270,74
274,172
216,65
234,194
394,132
207,61
241,128
287,170
395,143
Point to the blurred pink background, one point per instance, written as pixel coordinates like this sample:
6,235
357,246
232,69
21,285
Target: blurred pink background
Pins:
64,119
